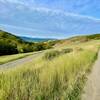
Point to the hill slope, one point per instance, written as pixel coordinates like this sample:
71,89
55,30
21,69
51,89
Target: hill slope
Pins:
12,38
11,44
78,39
55,75
85,38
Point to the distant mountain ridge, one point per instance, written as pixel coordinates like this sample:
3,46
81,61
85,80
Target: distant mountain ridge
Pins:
29,39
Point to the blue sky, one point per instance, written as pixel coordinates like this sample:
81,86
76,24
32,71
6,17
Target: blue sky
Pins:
50,18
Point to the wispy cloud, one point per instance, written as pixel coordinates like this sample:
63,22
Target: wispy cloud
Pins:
24,4
53,11
12,1
30,16
4,26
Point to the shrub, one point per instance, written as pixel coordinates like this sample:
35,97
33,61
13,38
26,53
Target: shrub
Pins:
41,46
68,50
27,48
7,48
78,49
51,54
54,53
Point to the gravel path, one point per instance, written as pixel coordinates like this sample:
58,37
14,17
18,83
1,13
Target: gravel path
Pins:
19,61
92,88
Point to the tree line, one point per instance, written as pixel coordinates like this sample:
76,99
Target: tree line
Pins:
8,47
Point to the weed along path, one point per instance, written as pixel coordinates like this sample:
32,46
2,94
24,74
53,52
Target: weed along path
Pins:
92,88
20,61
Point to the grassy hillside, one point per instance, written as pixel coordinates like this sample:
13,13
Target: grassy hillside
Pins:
78,39
11,44
59,74
9,36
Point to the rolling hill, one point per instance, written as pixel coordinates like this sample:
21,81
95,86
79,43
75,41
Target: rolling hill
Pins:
85,37
78,39
11,44
59,73
56,74
8,36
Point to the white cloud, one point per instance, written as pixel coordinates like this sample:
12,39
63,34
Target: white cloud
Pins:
17,27
24,28
12,1
24,3
46,20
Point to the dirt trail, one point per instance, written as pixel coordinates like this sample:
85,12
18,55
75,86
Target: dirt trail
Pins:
19,61
92,88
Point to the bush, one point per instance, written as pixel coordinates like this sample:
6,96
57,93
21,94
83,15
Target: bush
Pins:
41,46
68,50
7,48
78,49
27,48
51,54
54,53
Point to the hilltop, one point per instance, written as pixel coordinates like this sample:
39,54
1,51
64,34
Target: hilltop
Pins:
85,38
10,37
78,39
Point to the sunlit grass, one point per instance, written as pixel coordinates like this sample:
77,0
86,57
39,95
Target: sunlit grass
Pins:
61,78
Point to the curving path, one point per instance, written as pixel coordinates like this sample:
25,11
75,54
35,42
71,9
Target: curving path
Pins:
20,61
92,88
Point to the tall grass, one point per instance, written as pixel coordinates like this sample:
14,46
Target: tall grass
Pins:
61,78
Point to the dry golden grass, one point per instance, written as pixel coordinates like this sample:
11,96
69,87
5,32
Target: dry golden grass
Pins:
59,79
